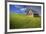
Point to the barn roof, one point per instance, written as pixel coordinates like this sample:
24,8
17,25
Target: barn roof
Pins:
35,12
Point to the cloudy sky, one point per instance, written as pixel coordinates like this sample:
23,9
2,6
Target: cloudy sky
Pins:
22,8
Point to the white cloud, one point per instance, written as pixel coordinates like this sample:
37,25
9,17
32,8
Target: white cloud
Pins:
23,9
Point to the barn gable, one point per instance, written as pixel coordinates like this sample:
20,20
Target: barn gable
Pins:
31,12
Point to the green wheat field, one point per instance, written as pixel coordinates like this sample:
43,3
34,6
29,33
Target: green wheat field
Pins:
20,21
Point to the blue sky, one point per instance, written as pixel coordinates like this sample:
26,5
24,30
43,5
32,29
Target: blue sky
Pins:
22,8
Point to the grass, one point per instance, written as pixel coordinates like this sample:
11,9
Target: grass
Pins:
23,21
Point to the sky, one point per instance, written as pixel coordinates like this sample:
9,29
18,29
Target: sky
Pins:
20,9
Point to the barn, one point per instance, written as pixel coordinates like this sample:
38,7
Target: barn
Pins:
31,12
